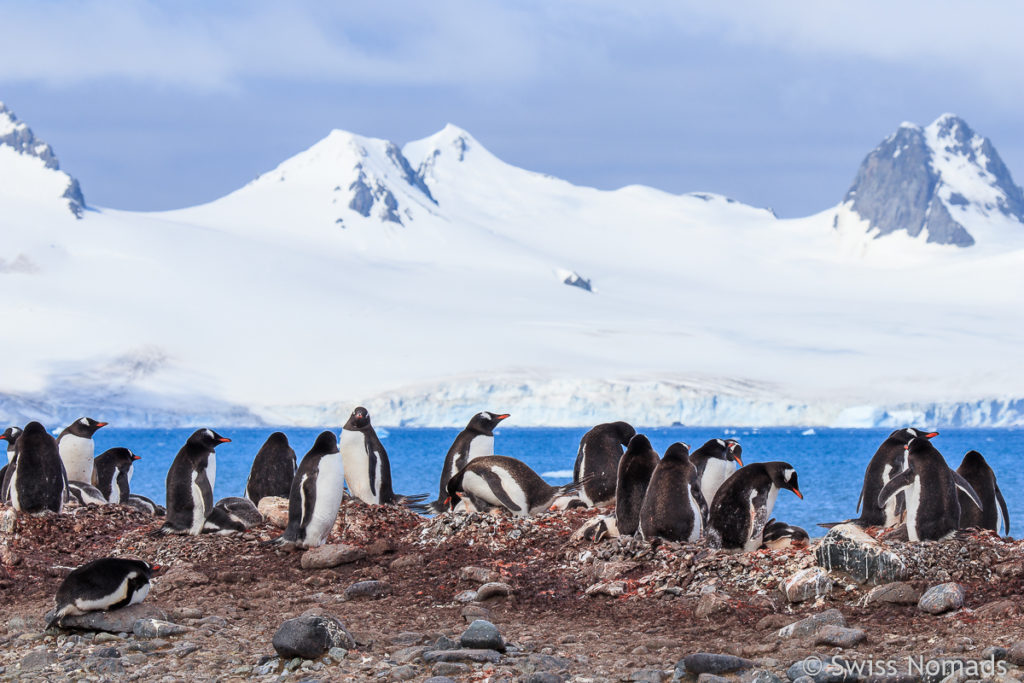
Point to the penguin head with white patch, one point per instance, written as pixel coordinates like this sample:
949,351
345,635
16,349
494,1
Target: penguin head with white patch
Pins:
907,434
206,439
783,475
123,458
85,427
358,420
485,422
779,535
733,451
11,435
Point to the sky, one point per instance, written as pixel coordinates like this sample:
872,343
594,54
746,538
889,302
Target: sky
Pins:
161,105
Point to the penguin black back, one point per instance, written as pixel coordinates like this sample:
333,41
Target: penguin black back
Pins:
634,474
38,482
475,441
111,473
272,470
673,506
103,584
599,453
982,479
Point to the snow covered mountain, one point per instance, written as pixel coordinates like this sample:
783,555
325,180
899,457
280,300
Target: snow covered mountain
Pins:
943,181
433,280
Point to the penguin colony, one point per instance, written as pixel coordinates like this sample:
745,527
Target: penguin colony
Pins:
684,496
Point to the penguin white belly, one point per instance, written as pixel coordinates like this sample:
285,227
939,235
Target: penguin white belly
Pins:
716,471
198,507
352,445
890,505
479,447
583,472
77,454
10,455
131,471
479,487
115,492
698,521
13,490
913,494
211,470
105,601
139,595
330,487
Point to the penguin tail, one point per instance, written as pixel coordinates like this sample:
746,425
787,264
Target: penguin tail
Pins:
436,508
574,486
166,530
414,503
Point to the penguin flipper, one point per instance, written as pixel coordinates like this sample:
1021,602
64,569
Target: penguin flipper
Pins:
966,487
860,498
1003,511
494,482
896,484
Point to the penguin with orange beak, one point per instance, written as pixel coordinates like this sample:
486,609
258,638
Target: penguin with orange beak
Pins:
744,503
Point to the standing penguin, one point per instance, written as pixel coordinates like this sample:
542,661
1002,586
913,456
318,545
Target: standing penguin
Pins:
888,461
674,507
933,507
190,483
37,482
976,471
505,482
77,448
103,584
10,435
316,494
367,468
715,462
476,440
634,474
112,473
272,470
744,504
598,455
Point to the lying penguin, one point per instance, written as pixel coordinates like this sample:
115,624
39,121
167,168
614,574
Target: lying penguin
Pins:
103,584
501,481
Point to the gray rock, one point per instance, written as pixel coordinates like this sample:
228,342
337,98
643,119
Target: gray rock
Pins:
106,652
370,590
821,670
482,635
536,662
21,624
184,649
338,654
479,574
895,593
311,637
403,673
807,584
105,666
709,663
847,549
156,628
543,677
647,676
495,589
712,602
711,678
1015,655
473,612
444,643
268,667
450,669
333,555
994,653
760,676
942,598
38,659
439,679
406,638
116,621
838,636
811,625
466,596
408,655
462,655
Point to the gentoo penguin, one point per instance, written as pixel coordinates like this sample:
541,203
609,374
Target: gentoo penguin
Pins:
634,474
85,494
976,471
497,480
476,440
143,504
316,495
272,470
112,473
673,506
77,448
744,503
37,481
10,435
231,515
933,507
367,468
598,455
888,461
190,483
779,535
715,462
103,584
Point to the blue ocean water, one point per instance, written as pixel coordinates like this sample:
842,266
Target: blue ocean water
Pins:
830,463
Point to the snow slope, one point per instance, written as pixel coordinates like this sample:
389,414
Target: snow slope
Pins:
428,282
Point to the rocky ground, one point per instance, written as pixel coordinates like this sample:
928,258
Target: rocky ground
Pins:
406,589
